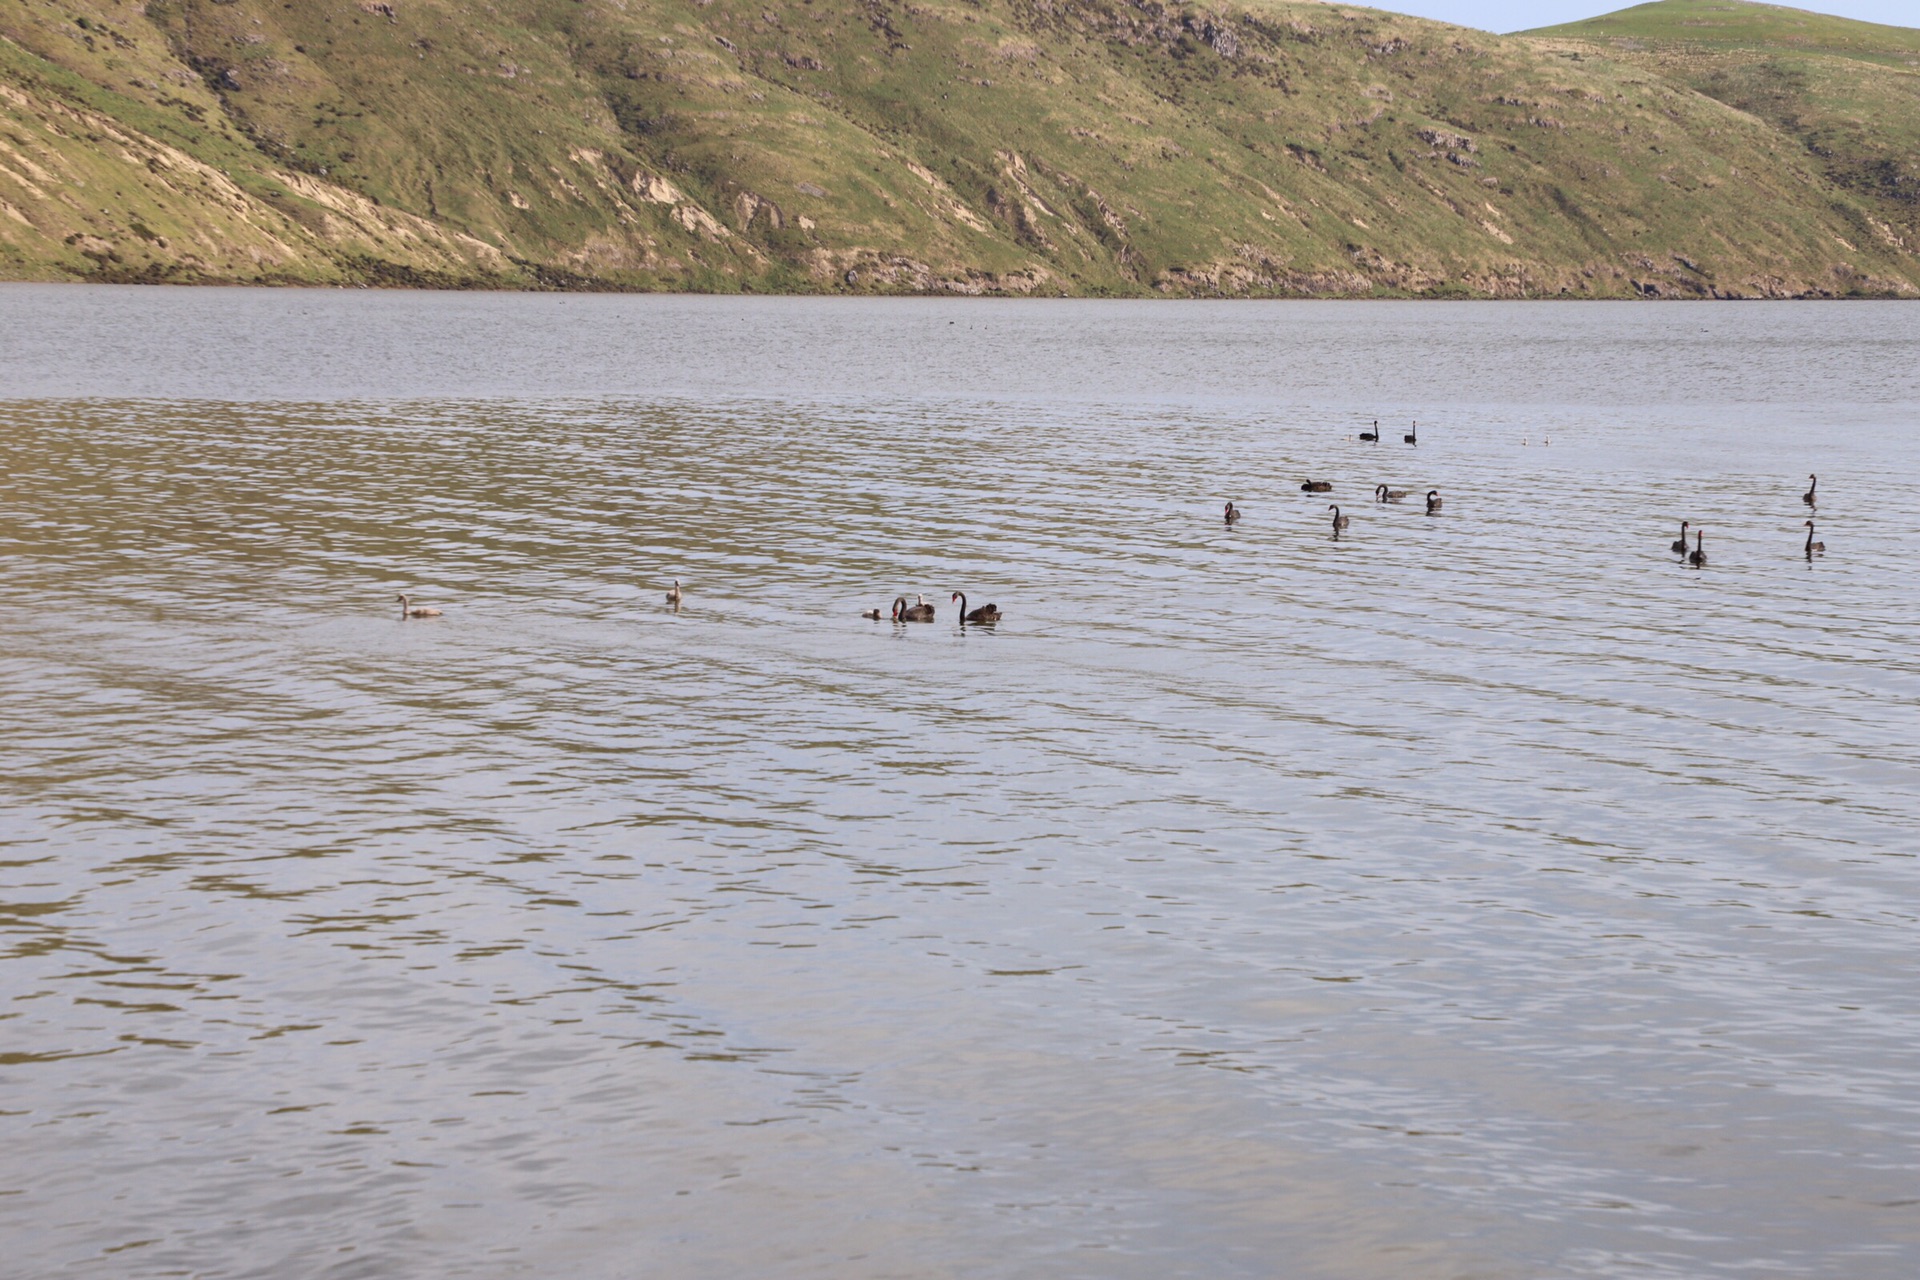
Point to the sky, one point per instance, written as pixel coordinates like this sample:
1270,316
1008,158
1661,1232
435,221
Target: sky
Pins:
1518,15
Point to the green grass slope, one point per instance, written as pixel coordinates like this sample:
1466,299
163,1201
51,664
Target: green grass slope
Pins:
1090,147
1847,92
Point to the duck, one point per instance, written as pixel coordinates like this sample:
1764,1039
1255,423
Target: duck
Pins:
675,595
985,613
1373,435
1433,501
1813,482
1317,486
1232,515
1413,436
410,610
1679,546
1813,546
904,612
872,613
1698,556
1383,494
1339,521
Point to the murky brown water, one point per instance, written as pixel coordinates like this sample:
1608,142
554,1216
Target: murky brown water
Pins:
1479,895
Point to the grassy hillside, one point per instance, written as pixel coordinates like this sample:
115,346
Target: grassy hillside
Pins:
1847,92
1007,146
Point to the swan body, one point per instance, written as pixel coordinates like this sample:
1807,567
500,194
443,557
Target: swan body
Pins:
1232,515
1698,556
675,595
904,612
1433,501
410,610
1679,546
1813,546
1373,435
1383,494
1813,483
1339,521
1317,486
985,613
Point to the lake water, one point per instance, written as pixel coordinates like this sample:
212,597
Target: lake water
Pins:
1486,895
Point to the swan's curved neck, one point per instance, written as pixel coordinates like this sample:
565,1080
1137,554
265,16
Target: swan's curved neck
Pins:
963,602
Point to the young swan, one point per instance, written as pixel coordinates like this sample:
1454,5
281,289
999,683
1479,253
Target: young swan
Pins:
409,610
675,595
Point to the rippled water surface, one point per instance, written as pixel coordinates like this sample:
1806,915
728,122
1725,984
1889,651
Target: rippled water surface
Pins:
1478,895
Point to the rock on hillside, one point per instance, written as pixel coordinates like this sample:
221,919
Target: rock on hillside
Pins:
1092,147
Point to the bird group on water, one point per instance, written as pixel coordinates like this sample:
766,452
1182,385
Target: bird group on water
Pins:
1696,555
987,614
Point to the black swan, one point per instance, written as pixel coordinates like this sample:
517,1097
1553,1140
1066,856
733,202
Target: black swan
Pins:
985,613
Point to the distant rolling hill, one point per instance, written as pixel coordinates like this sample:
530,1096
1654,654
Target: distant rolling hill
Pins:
1048,147
1847,92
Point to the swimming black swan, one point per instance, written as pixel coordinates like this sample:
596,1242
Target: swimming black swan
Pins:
1679,546
1339,521
1813,546
1433,501
1413,436
1373,435
1317,486
904,612
1232,515
1383,494
1698,556
1813,483
985,613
